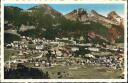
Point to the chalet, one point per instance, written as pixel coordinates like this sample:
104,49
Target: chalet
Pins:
36,64
114,49
89,55
58,53
20,53
64,38
57,38
94,49
16,46
74,49
39,47
54,43
15,42
23,37
88,44
26,53
9,46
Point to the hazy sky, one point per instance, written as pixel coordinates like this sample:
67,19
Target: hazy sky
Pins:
103,9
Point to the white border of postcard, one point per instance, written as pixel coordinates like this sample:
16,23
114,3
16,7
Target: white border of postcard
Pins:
62,80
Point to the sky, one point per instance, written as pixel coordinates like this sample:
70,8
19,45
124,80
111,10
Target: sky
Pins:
102,9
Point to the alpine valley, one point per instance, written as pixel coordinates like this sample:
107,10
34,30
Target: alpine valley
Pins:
42,43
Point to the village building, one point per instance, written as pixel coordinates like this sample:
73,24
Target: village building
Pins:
74,49
93,49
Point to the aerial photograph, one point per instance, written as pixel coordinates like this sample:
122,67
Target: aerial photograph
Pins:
64,41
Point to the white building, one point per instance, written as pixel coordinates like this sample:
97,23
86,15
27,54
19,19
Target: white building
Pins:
58,53
20,53
74,49
54,42
94,49
64,38
89,55
39,47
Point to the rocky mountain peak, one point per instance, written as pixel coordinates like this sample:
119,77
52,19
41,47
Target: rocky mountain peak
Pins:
112,13
79,11
113,16
45,6
45,9
42,7
78,15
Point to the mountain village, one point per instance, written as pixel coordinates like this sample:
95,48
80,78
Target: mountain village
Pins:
42,53
69,54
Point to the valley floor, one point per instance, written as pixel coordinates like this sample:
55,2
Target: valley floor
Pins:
61,60
83,72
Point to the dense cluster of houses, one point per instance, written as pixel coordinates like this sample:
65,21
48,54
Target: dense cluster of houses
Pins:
63,51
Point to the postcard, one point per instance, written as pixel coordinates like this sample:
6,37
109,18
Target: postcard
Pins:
64,42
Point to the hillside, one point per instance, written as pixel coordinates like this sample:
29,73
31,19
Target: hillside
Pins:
49,23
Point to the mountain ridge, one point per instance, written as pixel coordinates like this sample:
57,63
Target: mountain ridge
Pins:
92,15
46,20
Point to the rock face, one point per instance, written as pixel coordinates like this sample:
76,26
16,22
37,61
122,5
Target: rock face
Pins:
78,15
113,16
83,15
113,35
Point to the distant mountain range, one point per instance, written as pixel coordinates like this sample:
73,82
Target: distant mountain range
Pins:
50,23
